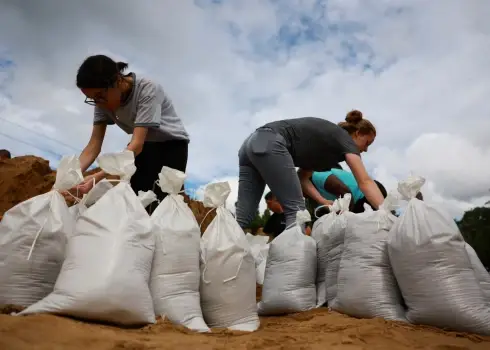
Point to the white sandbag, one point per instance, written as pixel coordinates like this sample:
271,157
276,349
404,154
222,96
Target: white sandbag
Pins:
481,273
106,272
260,250
366,285
33,238
228,282
175,274
290,272
321,234
334,246
432,267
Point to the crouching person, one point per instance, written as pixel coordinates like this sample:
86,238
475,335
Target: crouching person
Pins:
335,183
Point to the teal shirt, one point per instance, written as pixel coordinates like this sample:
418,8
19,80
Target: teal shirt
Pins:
318,178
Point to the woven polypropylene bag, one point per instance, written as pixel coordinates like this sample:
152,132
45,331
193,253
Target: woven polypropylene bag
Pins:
175,274
33,240
228,276
433,269
290,274
367,287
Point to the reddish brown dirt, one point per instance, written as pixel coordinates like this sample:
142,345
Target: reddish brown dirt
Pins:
24,177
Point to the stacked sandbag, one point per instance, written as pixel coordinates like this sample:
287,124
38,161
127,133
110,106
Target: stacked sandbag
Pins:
290,272
366,286
228,282
33,240
334,246
321,234
481,273
432,267
260,250
175,274
106,272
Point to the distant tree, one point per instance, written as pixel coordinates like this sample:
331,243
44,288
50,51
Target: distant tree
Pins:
259,221
266,216
475,227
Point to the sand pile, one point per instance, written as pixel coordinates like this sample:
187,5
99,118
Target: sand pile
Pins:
24,177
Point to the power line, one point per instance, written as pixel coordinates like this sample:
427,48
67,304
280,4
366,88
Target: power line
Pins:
39,134
58,156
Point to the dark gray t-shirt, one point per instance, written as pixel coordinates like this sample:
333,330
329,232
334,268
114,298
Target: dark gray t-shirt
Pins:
149,106
314,143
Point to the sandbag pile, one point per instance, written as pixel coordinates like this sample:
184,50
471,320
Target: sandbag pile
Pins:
433,269
107,267
32,240
175,273
105,259
228,281
366,286
290,272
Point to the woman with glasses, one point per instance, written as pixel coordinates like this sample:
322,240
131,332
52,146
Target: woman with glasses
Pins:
141,108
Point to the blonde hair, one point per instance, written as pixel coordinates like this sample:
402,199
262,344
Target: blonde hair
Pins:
354,122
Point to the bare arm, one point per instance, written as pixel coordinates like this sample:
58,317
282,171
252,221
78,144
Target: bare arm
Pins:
309,189
138,140
366,184
94,146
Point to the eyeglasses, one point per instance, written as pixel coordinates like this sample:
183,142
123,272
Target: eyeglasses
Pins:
97,99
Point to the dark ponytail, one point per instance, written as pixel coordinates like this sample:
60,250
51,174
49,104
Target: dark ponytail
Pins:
99,72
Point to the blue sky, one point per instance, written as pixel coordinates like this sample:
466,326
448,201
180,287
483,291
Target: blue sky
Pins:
231,66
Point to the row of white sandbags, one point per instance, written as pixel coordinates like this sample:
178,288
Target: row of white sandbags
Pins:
110,249
442,281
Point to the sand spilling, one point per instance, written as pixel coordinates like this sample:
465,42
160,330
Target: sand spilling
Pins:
24,177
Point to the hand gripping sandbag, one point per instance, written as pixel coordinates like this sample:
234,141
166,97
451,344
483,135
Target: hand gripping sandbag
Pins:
175,274
33,238
432,267
290,272
366,285
334,246
260,250
321,234
228,284
106,272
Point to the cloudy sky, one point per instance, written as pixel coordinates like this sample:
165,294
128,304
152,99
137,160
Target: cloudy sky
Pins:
418,69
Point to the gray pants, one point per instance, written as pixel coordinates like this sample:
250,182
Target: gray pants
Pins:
264,159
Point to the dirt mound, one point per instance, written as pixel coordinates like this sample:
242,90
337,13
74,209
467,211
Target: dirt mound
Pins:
24,177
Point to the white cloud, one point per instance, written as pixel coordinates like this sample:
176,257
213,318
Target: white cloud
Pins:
417,69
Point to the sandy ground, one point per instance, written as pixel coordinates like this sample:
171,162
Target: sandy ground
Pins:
317,329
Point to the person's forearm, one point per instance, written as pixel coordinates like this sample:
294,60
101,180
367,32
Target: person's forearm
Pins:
310,190
135,147
372,193
87,157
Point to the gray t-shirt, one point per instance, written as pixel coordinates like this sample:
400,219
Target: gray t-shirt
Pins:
147,105
314,143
